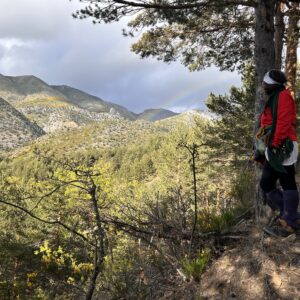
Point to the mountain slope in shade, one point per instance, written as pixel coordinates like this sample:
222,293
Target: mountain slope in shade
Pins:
46,106
36,99
93,103
15,89
15,128
153,115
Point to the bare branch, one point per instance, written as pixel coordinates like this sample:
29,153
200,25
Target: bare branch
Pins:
56,222
187,5
130,229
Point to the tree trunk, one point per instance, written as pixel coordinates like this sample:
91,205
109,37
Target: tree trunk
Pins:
100,253
278,35
194,153
92,285
291,49
264,59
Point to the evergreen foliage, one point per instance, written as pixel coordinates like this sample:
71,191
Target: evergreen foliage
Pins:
199,33
234,127
112,222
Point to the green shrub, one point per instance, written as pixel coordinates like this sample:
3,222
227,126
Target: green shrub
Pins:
223,221
243,188
194,267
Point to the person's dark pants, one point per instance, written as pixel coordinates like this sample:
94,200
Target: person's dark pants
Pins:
285,201
270,176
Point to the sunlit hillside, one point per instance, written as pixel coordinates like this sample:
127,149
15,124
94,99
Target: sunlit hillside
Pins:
55,114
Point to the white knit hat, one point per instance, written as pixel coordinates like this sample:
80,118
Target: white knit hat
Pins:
267,79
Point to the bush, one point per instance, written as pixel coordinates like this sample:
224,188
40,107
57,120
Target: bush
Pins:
195,267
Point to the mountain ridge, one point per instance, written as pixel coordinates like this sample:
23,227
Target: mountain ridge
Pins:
43,108
155,114
32,92
93,103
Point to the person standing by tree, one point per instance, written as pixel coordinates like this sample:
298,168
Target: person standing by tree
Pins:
279,121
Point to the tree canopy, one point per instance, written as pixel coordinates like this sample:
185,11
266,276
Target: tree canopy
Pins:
199,33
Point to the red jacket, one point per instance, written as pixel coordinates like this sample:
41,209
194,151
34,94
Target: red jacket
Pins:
286,118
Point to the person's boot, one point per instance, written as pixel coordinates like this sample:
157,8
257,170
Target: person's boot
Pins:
279,230
275,200
290,217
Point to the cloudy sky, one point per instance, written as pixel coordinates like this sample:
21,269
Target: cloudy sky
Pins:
40,37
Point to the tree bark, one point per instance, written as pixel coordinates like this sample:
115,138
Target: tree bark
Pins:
100,251
291,49
92,286
194,154
264,59
279,35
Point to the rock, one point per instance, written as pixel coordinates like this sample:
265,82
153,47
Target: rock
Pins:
276,280
289,238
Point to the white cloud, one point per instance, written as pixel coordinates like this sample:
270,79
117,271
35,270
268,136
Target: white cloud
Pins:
40,37
35,19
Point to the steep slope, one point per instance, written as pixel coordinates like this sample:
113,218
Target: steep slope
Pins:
15,128
93,103
55,115
46,106
153,115
256,266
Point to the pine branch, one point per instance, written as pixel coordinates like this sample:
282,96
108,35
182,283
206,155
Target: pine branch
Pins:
174,5
56,222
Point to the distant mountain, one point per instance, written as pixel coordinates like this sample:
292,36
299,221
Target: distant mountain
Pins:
61,107
16,89
55,107
153,115
48,107
93,103
15,128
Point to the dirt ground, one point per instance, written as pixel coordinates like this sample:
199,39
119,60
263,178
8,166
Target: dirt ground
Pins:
250,265
255,266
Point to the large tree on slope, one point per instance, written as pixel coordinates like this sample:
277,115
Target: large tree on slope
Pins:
202,32
199,32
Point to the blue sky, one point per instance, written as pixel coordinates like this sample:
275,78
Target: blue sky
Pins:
40,37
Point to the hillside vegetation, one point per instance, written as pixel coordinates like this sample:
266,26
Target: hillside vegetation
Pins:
138,177
120,209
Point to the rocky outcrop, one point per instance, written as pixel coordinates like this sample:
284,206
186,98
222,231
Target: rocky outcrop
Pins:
15,128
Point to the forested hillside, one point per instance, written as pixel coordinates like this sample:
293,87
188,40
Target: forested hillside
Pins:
120,209
136,210
109,204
